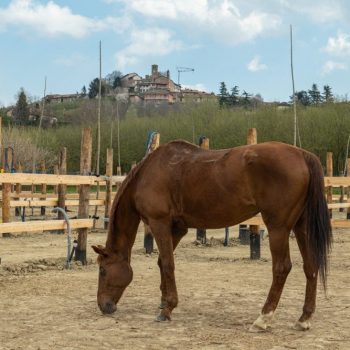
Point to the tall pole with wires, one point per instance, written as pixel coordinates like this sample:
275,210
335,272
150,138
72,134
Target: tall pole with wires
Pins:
294,97
98,132
99,117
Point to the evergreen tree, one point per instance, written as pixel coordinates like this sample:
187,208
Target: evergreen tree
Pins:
327,94
246,99
83,91
22,109
234,97
94,87
117,82
223,95
315,95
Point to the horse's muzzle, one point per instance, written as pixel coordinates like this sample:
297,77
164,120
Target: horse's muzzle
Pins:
108,308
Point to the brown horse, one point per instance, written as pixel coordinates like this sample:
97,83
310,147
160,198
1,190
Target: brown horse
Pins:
181,186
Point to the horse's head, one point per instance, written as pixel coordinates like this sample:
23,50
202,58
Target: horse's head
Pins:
115,275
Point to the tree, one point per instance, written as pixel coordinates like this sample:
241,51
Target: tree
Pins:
246,99
327,94
94,87
315,95
302,98
111,77
234,97
223,95
22,109
83,91
117,82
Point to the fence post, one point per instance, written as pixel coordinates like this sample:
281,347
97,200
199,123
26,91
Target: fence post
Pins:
56,172
252,139
201,234
148,236
342,192
84,193
109,183
18,189
329,173
348,189
43,187
62,189
6,209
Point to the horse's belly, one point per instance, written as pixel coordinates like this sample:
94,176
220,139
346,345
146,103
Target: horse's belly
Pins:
213,218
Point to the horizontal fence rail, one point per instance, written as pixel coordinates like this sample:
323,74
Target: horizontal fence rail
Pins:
51,179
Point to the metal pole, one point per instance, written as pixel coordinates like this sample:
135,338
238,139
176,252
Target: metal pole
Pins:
69,243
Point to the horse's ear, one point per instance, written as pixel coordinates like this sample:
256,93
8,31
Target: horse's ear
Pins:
99,250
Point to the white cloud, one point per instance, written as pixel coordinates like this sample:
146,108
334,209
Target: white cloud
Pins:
339,46
323,12
330,66
220,19
148,42
51,19
255,65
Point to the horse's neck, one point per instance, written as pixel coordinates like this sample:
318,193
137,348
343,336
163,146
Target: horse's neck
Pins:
123,227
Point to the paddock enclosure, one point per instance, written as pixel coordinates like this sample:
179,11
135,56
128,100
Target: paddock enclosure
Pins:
44,306
221,290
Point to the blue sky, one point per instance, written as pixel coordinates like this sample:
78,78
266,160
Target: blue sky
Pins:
244,43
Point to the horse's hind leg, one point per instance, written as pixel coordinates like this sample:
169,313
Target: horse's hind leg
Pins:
281,266
311,271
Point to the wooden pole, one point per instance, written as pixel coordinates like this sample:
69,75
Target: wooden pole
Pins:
62,189
252,139
6,197
1,152
201,234
148,236
329,173
109,173
56,172
18,188
43,186
348,189
84,193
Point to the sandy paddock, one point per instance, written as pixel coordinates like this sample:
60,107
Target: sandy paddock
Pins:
221,293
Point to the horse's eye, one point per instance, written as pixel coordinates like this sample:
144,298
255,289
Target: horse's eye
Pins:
102,272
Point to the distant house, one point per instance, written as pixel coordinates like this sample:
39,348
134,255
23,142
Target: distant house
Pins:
63,98
157,87
191,95
158,96
129,81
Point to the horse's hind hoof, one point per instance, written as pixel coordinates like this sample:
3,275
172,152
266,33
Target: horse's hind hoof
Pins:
256,329
162,318
302,326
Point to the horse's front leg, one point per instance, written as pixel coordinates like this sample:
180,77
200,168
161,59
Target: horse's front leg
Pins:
162,233
177,234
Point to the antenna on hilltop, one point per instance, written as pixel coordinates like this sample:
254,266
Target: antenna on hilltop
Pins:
182,70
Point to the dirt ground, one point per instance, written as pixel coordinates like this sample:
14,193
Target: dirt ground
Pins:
221,292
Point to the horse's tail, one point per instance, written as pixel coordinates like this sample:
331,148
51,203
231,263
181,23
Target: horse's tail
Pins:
318,220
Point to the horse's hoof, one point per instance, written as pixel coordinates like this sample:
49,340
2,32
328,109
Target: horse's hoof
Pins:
257,329
162,318
302,326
